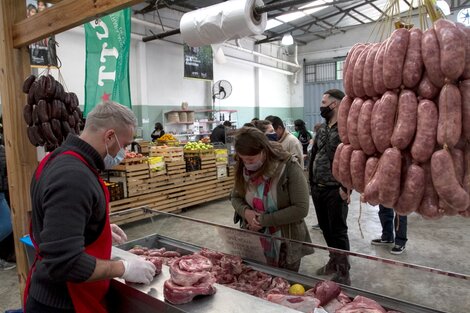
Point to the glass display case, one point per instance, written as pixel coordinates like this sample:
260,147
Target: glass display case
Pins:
395,285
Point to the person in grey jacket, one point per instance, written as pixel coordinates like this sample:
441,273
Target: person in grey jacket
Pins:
271,195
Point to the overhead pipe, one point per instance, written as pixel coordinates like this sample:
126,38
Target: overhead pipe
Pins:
240,48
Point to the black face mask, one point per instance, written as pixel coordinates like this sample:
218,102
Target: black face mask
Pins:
272,136
326,112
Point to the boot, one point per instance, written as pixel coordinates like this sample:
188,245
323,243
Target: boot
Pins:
342,271
329,268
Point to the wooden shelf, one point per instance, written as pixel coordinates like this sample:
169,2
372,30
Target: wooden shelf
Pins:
180,123
179,111
212,111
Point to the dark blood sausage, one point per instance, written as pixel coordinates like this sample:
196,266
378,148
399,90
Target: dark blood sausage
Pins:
431,57
429,207
343,113
426,129
358,167
344,166
352,123
446,183
348,86
413,66
364,128
405,125
350,70
394,57
452,48
28,82
368,75
371,167
390,173
449,126
377,72
426,89
412,191
383,120
28,114
335,167
465,92
466,35
459,164
358,82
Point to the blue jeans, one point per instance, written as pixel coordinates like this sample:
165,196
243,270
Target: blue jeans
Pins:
5,218
388,221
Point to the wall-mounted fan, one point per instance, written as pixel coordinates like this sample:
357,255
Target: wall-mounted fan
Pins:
221,90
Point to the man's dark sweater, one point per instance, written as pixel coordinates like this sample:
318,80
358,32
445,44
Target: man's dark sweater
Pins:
68,214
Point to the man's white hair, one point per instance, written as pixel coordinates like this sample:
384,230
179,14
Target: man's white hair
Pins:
110,114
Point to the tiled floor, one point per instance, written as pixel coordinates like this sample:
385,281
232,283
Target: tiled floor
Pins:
442,244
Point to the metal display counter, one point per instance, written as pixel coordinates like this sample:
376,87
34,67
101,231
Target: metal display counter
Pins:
171,232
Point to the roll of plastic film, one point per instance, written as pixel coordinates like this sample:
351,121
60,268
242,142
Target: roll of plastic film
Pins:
222,22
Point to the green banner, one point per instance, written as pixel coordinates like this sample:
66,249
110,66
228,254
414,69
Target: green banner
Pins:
107,60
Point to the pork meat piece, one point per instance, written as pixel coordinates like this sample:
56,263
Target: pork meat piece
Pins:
279,285
256,278
325,291
300,303
212,255
362,304
233,264
191,269
176,294
157,261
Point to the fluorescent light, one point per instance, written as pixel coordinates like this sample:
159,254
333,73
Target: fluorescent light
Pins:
291,16
443,6
272,23
317,2
287,40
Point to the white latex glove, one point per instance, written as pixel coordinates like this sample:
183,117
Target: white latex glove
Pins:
138,271
119,236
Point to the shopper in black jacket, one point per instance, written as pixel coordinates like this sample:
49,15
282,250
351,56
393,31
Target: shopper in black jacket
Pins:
218,134
157,132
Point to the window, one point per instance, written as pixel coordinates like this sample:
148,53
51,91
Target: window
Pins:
321,72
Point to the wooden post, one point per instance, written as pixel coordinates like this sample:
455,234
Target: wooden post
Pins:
20,154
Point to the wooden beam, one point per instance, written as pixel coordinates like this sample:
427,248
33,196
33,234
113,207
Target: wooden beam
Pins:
20,154
63,16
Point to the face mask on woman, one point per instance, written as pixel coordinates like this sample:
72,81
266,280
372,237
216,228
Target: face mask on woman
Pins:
253,167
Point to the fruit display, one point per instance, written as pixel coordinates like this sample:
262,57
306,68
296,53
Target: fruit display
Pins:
167,137
50,112
206,140
133,155
156,163
197,145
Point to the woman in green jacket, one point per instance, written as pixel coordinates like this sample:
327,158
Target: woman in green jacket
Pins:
271,195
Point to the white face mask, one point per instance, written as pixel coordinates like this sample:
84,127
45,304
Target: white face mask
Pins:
253,167
109,161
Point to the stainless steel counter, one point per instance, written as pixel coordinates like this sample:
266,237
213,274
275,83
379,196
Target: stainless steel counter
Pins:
225,300
140,298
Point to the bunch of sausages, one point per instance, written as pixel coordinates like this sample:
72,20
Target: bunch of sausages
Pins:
405,121
51,113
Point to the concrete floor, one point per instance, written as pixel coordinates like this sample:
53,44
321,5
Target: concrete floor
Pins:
443,244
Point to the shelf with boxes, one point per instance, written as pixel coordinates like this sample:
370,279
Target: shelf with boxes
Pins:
170,179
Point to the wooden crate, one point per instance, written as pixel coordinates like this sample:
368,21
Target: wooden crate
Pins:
208,161
177,167
170,154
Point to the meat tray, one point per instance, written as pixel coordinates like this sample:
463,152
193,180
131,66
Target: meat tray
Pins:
142,298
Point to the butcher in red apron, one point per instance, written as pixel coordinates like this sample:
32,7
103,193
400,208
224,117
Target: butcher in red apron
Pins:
70,227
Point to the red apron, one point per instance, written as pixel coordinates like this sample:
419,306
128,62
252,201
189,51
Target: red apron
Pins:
87,297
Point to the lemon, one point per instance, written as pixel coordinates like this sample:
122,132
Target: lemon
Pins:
297,290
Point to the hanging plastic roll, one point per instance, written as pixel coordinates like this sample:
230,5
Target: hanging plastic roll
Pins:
222,22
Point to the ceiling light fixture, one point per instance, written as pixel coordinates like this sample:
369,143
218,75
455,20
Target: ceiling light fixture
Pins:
287,40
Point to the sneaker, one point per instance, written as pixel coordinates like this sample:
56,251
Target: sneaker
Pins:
397,249
4,265
380,242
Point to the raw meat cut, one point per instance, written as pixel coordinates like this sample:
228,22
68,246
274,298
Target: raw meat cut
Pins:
362,304
301,303
191,269
326,291
279,285
176,294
